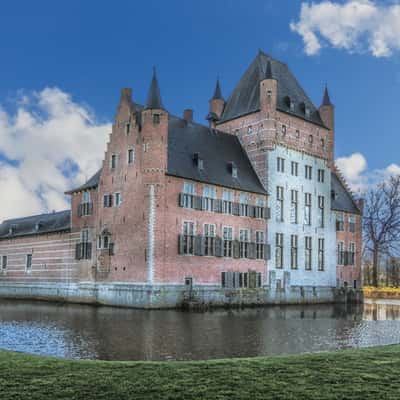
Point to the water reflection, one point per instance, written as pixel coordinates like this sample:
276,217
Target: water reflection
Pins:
77,331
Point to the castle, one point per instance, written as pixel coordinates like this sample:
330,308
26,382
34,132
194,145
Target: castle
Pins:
247,210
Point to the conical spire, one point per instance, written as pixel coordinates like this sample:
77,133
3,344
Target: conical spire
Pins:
268,71
217,92
326,101
154,97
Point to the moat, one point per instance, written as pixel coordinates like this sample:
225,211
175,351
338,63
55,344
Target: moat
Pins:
79,331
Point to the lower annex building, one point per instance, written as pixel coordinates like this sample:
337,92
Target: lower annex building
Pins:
247,210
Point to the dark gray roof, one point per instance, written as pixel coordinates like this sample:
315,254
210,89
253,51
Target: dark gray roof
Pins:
36,224
326,101
343,200
245,98
154,97
90,184
217,92
216,149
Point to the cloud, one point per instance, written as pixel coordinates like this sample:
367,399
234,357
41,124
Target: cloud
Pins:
355,26
48,144
355,170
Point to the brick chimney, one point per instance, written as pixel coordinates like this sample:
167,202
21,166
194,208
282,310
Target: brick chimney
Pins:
188,115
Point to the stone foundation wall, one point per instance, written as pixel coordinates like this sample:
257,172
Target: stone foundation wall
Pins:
173,296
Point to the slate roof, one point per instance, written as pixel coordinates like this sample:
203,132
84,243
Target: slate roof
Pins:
245,98
343,200
216,149
36,225
90,184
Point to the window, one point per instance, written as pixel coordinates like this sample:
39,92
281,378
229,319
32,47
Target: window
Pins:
118,199
352,223
127,128
259,209
249,129
308,252
352,253
209,195
209,239
234,171
113,162
188,237
323,143
340,253
280,164
279,250
227,201
84,248
310,139
279,203
308,172
188,191
307,208
295,168
84,235
86,196
321,254
260,245
156,119
297,134
243,205
283,130
29,262
321,211
339,221
131,156
103,241
228,241
146,147
4,262
244,236
321,175
107,200
293,251
294,206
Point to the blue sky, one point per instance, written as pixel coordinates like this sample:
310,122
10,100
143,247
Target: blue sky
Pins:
92,49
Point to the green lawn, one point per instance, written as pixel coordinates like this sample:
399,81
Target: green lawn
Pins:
351,374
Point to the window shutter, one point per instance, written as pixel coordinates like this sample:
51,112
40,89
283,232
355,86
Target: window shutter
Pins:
235,209
88,251
78,251
252,212
203,203
217,205
110,200
181,241
229,279
198,245
223,279
252,251
267,251
111,249
236,249
236,279
267,213
219,250
79,210
181,199
252,279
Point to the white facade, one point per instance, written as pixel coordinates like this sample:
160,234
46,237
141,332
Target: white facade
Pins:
280,175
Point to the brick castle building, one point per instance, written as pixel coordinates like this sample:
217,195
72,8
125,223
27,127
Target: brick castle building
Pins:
247,210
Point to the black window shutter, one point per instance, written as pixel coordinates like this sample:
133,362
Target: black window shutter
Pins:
181,199
78,251
199,245
236,249
235,209
198,203
79,210
111,249
217,205
229,279
252,212
267,213
181,241
88,251
267,251
252,251
219,250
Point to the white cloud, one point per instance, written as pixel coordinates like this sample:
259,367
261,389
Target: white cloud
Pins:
355,170
355,25
50,143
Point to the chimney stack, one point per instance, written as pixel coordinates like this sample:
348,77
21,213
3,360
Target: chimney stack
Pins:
188,115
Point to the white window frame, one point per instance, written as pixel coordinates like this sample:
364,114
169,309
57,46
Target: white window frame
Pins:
28,270
117,195
231,240
131,150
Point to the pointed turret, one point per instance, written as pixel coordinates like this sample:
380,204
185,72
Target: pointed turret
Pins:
217,104
326,101
268,85
154,97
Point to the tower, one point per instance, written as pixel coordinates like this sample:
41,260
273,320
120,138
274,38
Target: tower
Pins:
327,113
217,104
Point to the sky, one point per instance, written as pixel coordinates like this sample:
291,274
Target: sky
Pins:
63,65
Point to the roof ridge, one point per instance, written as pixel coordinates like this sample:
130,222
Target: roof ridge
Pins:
34,216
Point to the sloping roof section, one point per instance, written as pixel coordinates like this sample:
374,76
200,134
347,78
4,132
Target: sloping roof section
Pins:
218,151
342,199
154,97
245,98
36,225
92,183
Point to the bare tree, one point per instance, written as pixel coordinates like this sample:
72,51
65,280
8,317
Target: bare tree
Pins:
382,221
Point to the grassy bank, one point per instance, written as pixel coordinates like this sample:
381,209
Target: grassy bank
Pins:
381,292
351,374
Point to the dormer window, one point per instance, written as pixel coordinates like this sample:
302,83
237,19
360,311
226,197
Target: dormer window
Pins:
291,106
233,169
38,225
198,161
156,119
289,103
307,112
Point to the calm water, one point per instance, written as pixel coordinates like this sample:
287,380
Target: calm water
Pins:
77,331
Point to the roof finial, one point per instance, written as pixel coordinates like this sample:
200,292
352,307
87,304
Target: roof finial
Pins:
217,92
326,101
154,97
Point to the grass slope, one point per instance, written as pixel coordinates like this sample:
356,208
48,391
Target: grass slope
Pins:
351,374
